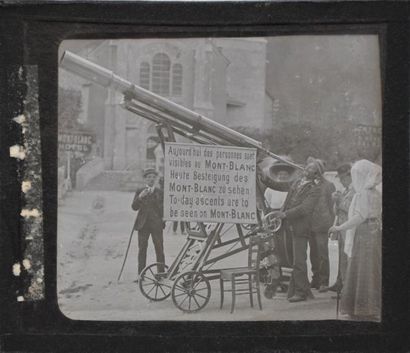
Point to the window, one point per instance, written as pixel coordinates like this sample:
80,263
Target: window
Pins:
177,80
162,77
145,75
161,74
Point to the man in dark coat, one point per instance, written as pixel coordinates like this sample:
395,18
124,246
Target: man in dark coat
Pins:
342,202
322,219
148,201
296,214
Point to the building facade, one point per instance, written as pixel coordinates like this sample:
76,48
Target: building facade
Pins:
223,79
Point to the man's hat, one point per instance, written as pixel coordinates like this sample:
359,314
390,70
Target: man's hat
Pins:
320,165
344,169
149,171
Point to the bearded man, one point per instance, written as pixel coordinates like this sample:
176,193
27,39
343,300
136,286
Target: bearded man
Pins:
296,215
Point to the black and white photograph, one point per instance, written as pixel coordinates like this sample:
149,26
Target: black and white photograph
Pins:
220,179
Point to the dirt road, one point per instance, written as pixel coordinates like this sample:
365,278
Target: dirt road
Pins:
93,233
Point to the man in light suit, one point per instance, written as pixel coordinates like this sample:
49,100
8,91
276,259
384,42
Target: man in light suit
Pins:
148,201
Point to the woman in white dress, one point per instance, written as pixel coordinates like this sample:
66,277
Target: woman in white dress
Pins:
361,295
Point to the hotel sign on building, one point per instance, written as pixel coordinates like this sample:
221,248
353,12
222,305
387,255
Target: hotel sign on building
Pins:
75,141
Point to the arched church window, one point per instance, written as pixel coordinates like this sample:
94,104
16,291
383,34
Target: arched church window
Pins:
161,65
145,75
177,80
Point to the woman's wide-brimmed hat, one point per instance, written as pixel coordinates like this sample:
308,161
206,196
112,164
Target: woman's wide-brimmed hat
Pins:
275,166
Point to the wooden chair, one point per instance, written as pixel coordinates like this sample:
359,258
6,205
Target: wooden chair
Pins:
241,276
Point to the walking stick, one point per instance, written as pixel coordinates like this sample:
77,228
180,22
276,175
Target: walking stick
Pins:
126,254
336,221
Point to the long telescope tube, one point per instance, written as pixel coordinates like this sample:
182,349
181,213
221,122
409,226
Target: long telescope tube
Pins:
106,78
178,127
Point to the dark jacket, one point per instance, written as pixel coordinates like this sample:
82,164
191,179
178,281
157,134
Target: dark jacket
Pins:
150,209
323,215
299,205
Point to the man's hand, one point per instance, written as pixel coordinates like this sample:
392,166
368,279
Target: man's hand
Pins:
143,193
333,232
280,214
337,197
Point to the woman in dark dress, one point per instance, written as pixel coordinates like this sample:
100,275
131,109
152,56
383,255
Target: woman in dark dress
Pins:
361,295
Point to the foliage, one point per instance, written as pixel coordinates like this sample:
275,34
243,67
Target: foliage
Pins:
69,109
335,144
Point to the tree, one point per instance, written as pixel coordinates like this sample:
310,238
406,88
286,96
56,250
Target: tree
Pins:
335,144
69,109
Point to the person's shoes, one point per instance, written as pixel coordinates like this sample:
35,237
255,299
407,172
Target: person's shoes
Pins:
323,289
269,291
337,287
296,298
310,295
136,281
314,285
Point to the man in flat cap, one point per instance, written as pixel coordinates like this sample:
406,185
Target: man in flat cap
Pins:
149,202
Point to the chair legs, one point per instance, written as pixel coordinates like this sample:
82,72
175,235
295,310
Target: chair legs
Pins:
233,294
258,294
250,289
221,286
233,290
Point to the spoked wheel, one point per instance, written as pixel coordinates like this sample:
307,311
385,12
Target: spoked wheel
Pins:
191,291
153,284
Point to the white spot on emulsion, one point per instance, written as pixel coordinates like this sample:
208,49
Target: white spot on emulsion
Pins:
18,152
20,119
25,186
20,73
27,264
20,298
16,270
30,213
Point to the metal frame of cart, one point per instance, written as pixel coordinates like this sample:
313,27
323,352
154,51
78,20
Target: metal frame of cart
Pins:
187,279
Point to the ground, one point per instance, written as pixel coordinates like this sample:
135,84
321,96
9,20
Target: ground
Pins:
93,233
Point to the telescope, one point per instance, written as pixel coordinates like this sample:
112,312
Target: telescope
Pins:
160,110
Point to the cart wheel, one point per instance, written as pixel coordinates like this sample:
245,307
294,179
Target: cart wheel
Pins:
153,284
191,291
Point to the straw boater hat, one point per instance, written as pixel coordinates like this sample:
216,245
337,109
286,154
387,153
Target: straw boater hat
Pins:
149,171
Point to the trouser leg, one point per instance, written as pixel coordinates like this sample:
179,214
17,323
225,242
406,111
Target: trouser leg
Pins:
182,227
323,254
343,258
143,236
314,259
299,273
174,226
158,240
